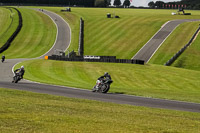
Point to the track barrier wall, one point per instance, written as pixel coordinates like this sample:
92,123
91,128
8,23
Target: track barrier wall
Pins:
9,41
81,38
169,62
108,59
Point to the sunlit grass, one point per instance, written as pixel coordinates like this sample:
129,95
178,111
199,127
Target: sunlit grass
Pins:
148,80
121,37
31,112
190,59
177,40
36,37
8,23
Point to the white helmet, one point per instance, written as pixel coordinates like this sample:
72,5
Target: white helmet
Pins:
22,67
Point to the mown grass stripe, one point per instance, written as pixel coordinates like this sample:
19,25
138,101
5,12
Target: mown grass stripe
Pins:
31,112
174,42
150,81
8,28
36,37
190,58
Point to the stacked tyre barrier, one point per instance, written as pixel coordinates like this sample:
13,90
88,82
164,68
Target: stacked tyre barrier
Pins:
169,62
112,59
9,41
81,38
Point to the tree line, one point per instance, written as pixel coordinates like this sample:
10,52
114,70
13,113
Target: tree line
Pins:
187,4
84,3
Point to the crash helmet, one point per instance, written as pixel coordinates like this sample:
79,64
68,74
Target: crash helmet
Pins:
106,73
22,67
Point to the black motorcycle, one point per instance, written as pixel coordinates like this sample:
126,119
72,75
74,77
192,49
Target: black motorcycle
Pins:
102,86
16,78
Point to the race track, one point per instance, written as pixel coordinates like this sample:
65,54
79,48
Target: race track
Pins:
62,42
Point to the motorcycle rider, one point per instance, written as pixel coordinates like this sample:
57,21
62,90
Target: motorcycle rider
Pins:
20,71
3,58
103,78
106,76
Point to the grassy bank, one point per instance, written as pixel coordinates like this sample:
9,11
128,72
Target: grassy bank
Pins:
149,80
177,40
118,37
36,37
8,23
30,112
190,58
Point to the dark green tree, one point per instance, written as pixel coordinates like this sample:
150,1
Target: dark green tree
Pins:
107,3
159,4
127,3
99,3
151,4
102,3
117,3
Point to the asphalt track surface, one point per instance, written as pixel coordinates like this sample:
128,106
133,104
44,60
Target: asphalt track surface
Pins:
62,42
149,49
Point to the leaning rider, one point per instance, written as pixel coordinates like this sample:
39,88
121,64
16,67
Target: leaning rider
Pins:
3,58
20,72
105,77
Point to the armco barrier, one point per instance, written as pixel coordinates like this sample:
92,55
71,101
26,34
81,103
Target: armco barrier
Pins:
81,38
109,60
7,44
169,62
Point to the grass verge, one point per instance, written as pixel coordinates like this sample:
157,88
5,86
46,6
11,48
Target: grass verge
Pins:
190,58
23,111
149,80
8,23
177,40
36,37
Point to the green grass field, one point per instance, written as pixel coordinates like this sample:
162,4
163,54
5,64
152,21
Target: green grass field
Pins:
148,81
8,23
190,59
177,40
23,111
36,37
117,37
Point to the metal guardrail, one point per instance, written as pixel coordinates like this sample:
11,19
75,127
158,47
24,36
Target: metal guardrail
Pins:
81,38
169,62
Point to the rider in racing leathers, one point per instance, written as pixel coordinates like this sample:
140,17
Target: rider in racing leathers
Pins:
20,72
103,78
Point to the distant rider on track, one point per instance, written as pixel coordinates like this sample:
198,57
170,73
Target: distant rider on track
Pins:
3,58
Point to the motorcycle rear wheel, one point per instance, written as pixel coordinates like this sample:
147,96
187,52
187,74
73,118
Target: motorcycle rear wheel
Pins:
105,88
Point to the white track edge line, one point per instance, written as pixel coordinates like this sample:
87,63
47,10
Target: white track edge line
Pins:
152,38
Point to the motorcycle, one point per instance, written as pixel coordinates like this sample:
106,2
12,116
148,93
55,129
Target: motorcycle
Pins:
102,86
16,78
